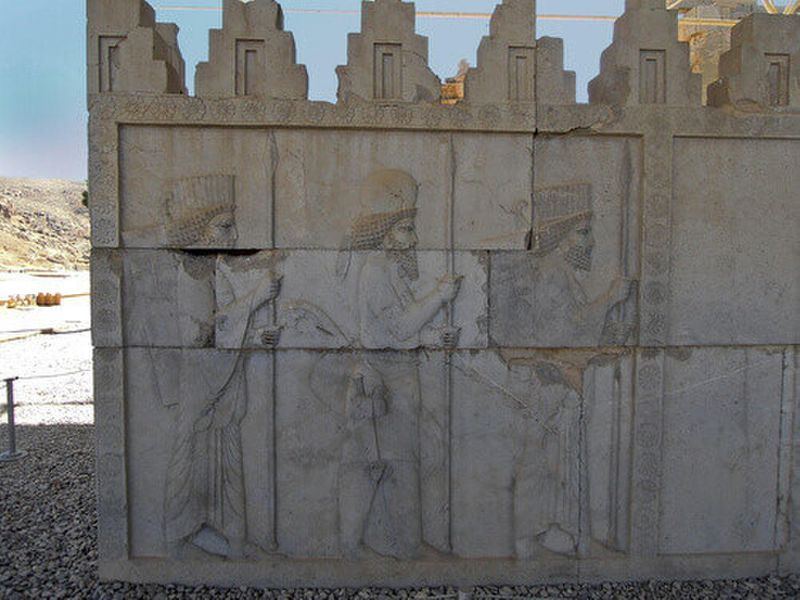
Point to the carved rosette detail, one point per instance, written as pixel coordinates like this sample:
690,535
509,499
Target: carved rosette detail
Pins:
103,176
111,111
647,455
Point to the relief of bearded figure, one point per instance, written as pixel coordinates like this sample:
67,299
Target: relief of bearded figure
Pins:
379,478
204,501
550,470
563,245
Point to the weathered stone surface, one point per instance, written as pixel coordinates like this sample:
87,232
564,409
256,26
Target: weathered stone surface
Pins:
513,66
309,319
726,405
111,456
387,60
106,294
540,442
577,284
251,55
324,480
168,299
127,51
324,181
646,64
394,342
760,72
204,188
194,489
736,256
554,85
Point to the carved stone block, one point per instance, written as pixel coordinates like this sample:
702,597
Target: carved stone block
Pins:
717,278
576,286
127,51
726,406
206,188
168,299
106,295
646,64
347,299
324,182
111,456
541,445
387,60
760,72
391,342
395,453
251,55
514,67
200,425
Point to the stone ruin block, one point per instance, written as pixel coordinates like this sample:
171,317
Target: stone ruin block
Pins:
646,64
761,71
513,66
389,342
554,84
387,61
251,55
128,51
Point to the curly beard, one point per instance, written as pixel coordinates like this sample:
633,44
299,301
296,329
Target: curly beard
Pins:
407,261
579,257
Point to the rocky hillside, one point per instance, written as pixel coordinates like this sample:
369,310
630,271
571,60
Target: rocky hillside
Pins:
43,224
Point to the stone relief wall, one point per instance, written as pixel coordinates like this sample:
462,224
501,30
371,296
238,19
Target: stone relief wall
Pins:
392,341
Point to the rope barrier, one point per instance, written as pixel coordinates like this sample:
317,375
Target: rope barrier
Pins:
52,375
35,332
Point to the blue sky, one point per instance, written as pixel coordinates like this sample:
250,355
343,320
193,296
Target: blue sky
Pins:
42,62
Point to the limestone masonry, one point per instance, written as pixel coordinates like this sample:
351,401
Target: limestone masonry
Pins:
396,341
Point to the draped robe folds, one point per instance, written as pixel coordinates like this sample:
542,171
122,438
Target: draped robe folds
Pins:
548,473
205,479
379,474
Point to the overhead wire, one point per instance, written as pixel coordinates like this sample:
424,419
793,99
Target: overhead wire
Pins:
432,14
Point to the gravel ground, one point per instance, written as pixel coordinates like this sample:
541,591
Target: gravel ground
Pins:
48,518
55,385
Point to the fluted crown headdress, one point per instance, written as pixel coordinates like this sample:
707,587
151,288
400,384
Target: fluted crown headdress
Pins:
194,202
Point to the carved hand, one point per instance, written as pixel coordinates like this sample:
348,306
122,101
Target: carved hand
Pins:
270,337
269,289
620,290
449,337
448,287
378,470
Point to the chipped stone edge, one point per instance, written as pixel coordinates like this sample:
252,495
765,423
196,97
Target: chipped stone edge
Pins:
112,495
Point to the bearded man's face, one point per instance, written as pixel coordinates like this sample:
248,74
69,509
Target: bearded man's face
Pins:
221,231
400,243
403,236
579,246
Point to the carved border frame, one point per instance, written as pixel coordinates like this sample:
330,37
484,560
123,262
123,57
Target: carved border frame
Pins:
657,125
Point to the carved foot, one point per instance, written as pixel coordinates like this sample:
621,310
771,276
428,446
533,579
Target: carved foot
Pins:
559,541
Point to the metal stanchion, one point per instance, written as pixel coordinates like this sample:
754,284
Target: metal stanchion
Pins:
12,453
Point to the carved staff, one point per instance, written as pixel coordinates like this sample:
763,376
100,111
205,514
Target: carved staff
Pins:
616,328
624,248
620,316
449,341
272,340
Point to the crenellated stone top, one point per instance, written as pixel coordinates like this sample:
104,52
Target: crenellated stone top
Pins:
513,66
251,55
646,64
387,60
761,71
127,51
